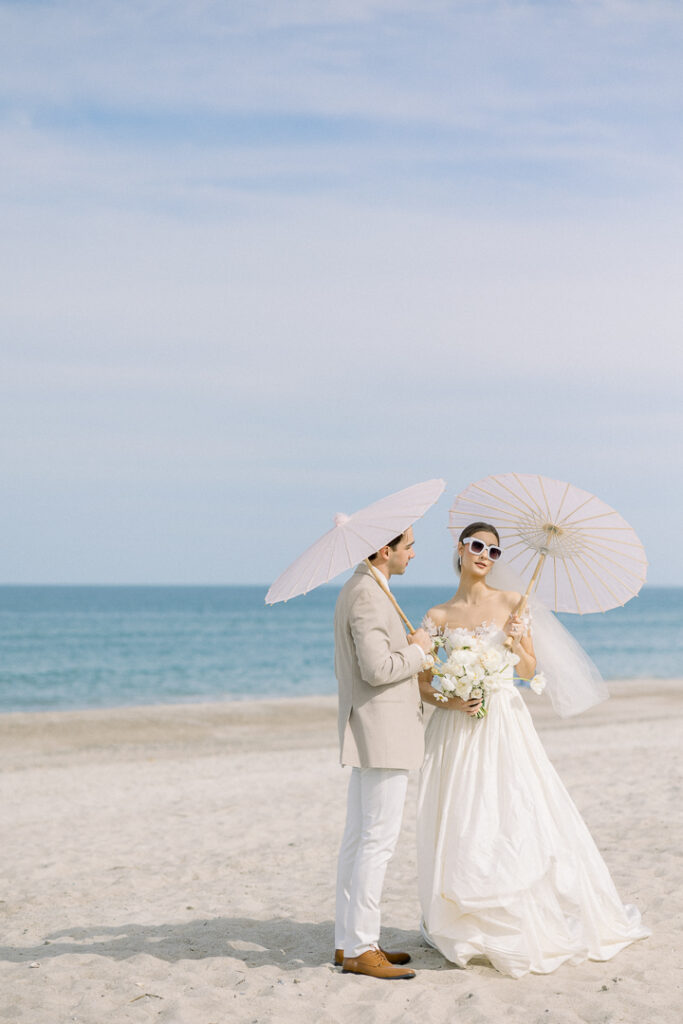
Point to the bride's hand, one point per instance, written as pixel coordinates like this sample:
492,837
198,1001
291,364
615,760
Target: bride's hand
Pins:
468,707
514,628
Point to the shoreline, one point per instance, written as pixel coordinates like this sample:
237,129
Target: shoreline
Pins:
29,738
619,683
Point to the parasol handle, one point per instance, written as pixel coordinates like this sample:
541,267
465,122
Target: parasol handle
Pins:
380,581
519,610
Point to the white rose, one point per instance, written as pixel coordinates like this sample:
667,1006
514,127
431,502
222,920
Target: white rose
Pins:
537,684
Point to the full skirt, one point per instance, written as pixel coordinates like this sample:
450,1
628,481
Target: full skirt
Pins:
507,868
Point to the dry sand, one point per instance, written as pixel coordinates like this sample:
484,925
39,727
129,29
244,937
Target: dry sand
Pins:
176,864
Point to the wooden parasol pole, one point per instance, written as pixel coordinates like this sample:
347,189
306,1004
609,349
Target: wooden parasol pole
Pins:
519,610
380,580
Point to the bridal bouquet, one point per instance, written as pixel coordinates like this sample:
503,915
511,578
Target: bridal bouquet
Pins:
472,668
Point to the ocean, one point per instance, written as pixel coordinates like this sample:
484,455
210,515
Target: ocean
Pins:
66,647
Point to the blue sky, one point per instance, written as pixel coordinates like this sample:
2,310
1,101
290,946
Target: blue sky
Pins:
265,262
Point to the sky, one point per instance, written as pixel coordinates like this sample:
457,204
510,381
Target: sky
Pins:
262,263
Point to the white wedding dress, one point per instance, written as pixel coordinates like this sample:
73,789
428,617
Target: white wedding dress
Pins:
507,869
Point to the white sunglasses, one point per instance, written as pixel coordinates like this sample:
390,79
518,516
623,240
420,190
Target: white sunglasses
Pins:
477,547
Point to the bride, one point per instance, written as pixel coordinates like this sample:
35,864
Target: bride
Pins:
507,869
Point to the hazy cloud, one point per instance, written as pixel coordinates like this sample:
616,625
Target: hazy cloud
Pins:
259,257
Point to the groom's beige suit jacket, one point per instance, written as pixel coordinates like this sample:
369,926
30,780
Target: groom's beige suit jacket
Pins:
380,710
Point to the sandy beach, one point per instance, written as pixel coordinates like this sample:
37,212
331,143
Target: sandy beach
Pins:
176,864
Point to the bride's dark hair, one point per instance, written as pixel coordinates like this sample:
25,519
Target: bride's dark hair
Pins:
467,532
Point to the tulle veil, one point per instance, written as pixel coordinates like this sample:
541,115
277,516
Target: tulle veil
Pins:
573,681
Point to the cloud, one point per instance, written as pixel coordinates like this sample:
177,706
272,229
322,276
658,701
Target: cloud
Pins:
303,96
291,256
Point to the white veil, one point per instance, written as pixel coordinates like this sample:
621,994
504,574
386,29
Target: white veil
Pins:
573,681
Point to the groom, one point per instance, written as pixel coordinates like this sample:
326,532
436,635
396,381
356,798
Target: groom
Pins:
381,738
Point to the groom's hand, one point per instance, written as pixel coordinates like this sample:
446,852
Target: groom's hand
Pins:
422,638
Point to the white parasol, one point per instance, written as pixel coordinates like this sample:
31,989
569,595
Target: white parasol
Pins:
574,551
353,538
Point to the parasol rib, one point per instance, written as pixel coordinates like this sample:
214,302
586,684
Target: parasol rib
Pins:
496,497
613,529
533,500
534,507
598,515
599,555
571,584
533,555
551,517
482,506
594,595
577,508
601,580
516,544
559,507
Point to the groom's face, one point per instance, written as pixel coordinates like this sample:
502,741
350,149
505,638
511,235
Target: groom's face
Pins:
401,554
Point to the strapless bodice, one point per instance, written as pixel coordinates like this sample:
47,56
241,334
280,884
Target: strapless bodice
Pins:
490,643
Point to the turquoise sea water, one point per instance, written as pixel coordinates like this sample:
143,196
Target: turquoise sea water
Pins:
83,647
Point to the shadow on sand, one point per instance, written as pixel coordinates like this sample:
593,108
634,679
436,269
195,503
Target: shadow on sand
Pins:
291,944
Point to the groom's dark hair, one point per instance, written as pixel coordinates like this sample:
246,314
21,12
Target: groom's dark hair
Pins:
392,544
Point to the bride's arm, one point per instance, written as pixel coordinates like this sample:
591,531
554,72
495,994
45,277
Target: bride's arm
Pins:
524,649
522,644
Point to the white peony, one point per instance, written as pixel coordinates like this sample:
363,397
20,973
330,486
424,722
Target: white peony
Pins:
476,672
493,659
468,658
462,688
457,663
458,640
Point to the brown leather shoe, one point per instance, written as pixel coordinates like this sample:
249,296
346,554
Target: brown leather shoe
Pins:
393,958
375,965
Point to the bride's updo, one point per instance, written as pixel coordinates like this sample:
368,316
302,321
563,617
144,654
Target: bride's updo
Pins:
468,532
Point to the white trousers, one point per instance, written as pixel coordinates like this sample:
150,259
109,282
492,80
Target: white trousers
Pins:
373,822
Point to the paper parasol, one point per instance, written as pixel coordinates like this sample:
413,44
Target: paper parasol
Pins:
353,538
574,551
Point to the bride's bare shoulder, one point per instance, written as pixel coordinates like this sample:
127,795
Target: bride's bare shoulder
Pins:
510,598
438,615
